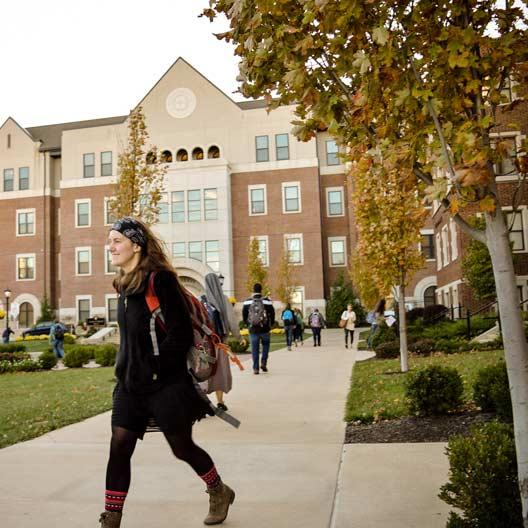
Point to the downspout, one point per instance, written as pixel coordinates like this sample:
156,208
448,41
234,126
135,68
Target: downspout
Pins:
44,228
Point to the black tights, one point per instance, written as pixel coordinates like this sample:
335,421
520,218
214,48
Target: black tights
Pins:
122,448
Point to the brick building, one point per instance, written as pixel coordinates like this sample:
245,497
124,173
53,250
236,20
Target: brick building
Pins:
233,172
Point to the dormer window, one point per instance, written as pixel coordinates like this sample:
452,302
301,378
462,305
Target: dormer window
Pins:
8,141
197,154
166,156
213,152
182,155
151,158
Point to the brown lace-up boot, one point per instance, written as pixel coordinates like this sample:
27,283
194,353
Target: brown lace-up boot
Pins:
110,519
220,498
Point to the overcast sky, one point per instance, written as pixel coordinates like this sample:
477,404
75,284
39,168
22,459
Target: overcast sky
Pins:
68,60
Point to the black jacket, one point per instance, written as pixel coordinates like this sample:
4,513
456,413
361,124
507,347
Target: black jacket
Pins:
136,365
268,305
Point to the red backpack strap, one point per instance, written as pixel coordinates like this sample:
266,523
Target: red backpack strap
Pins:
156,315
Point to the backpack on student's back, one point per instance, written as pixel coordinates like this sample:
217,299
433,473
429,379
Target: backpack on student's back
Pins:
371,317
59,332
257,314
287,317
315,320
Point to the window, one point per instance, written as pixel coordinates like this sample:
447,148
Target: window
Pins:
438,248
211,204
110,269
515,225
82,213
195,250
429,296
334,201
291,198
197,154
163,209
88,165
178,249
506,166
213,152
25,222
427,246
337,247
8,141
178,206
111,308
257,200
282,147
294,249
23,178
182,155
331,152
454,245
83,309
262,148
26,267
263,249
445,246
151,157
9,179
109,218
166,156
83,261
106,163
26,315
212,254
194,206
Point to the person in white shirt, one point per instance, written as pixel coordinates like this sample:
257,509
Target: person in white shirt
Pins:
349,322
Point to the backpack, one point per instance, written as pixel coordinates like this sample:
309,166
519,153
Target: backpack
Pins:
257,315
315,320
59,332
287,317
371,318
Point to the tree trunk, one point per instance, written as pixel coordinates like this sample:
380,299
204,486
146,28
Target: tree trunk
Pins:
403,329
515,345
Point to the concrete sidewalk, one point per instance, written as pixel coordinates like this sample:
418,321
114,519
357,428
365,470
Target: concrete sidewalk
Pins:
286,462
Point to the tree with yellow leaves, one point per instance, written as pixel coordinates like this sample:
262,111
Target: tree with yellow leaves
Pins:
256,272
285,278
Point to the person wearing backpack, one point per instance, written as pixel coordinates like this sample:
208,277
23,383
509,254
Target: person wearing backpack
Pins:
259,316
298,333
317,323
348,322
288,319
56,338
154,391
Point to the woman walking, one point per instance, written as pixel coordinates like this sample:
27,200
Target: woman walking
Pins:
153,391
349,318
298,333
288,319
225,323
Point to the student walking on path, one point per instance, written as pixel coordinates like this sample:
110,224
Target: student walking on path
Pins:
317,323
288,319
259,316
153,392
348,322
56,338
298,333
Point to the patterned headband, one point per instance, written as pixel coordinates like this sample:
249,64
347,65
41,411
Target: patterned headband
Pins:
131,229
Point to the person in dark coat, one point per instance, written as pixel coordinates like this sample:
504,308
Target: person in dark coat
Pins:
153,392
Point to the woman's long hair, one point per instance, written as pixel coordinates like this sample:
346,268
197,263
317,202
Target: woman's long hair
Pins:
153,258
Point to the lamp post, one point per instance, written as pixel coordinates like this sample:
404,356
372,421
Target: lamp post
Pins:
221,279
7,293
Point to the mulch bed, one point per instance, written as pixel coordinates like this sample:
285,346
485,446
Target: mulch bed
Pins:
415,429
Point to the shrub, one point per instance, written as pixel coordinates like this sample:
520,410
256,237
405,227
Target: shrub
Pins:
237,347
77,356
383,334
414,314
105,355
432,314
12,347
451,346
13,356
483,478
434,390
24,365
422,347
69,339
388,350
491,391
47,360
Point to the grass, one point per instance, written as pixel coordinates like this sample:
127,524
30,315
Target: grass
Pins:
34,403
377,389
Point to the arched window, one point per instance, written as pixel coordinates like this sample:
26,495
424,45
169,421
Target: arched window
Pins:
182,155
430,296
151,158
197,153
213,152
166,156
25,316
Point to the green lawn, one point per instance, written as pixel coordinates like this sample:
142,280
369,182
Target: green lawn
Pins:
377,387
34,403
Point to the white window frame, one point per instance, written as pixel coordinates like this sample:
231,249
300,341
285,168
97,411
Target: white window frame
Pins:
83,248
264,238
454,240
327,141
424,232
185,248
82,298
25,211
328,190
108,296
283,193
523,211
26,255
337,239
252,188
289,236
107,272
79,202
518,137
105,212
445,245
438,243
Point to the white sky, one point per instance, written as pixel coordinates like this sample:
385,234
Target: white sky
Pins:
69,60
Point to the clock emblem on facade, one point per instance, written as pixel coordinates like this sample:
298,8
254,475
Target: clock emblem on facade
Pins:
181,103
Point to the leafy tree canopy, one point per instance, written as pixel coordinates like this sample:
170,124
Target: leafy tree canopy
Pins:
343,294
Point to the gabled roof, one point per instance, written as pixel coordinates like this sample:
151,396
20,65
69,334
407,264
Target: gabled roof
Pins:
51,135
